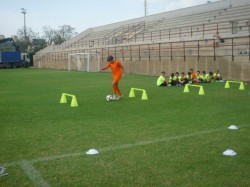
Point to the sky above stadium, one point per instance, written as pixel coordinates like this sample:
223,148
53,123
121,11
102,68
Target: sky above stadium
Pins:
79,14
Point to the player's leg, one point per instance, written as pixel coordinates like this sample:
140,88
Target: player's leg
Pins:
115,83
118,90
116,87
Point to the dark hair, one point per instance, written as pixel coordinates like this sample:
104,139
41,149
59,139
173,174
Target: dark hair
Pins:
110,58
163,72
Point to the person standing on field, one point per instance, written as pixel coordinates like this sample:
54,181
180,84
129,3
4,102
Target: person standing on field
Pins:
117,70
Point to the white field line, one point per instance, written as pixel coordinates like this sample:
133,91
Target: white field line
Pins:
113,148
34,175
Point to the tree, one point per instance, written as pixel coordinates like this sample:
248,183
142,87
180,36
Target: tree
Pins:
59,36
38,44
30,34
23,42
48,34
66,32
33,43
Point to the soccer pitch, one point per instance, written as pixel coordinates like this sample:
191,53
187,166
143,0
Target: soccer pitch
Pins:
171,139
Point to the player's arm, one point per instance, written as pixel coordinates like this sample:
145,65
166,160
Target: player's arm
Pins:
123,71
104,68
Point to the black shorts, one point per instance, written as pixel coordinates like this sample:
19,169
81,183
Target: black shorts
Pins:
163,84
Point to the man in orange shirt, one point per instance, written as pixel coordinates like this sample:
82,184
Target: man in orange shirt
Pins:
117,72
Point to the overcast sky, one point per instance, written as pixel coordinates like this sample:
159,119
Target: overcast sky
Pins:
79,14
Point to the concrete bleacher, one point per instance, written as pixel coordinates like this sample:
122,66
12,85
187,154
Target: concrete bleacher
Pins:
180,35
195,22
219,19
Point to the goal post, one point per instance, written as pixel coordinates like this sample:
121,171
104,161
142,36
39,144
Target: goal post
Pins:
89,62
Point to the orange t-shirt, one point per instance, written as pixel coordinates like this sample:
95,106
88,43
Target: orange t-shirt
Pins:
116,69
193,75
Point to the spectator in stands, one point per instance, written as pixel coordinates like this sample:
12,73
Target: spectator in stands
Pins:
218,39
161,81
244,52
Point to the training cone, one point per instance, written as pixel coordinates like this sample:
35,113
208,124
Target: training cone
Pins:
63,98
144,95
229,152
227,85
201,91
92,152
242,87
186,89
132,93
74,102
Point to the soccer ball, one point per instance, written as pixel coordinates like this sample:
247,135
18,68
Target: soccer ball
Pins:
109,97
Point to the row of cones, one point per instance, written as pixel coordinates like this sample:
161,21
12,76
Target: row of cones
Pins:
144,94
75,104
201,91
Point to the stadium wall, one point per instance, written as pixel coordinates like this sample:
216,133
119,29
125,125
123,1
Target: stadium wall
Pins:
228,69
239,69
192,47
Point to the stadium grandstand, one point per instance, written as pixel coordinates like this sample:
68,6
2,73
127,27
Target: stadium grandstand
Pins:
171,41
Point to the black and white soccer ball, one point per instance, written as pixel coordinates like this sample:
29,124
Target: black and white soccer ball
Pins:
109,97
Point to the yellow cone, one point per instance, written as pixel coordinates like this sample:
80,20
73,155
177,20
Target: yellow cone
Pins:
227,85
242,87
74,102
144,95
132,93
186,89
63,98
201,91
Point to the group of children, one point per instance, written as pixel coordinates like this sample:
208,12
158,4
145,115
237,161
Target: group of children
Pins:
176,79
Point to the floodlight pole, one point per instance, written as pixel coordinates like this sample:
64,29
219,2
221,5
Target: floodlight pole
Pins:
145,8
23,11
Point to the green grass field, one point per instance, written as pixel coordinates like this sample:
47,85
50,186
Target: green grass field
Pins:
171,139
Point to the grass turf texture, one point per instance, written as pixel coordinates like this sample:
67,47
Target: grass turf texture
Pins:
172,139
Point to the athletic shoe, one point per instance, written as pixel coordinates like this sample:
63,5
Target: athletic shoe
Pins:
119,97
114,97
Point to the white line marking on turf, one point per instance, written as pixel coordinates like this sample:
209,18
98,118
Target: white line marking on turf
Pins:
158,141
33,174
50,158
